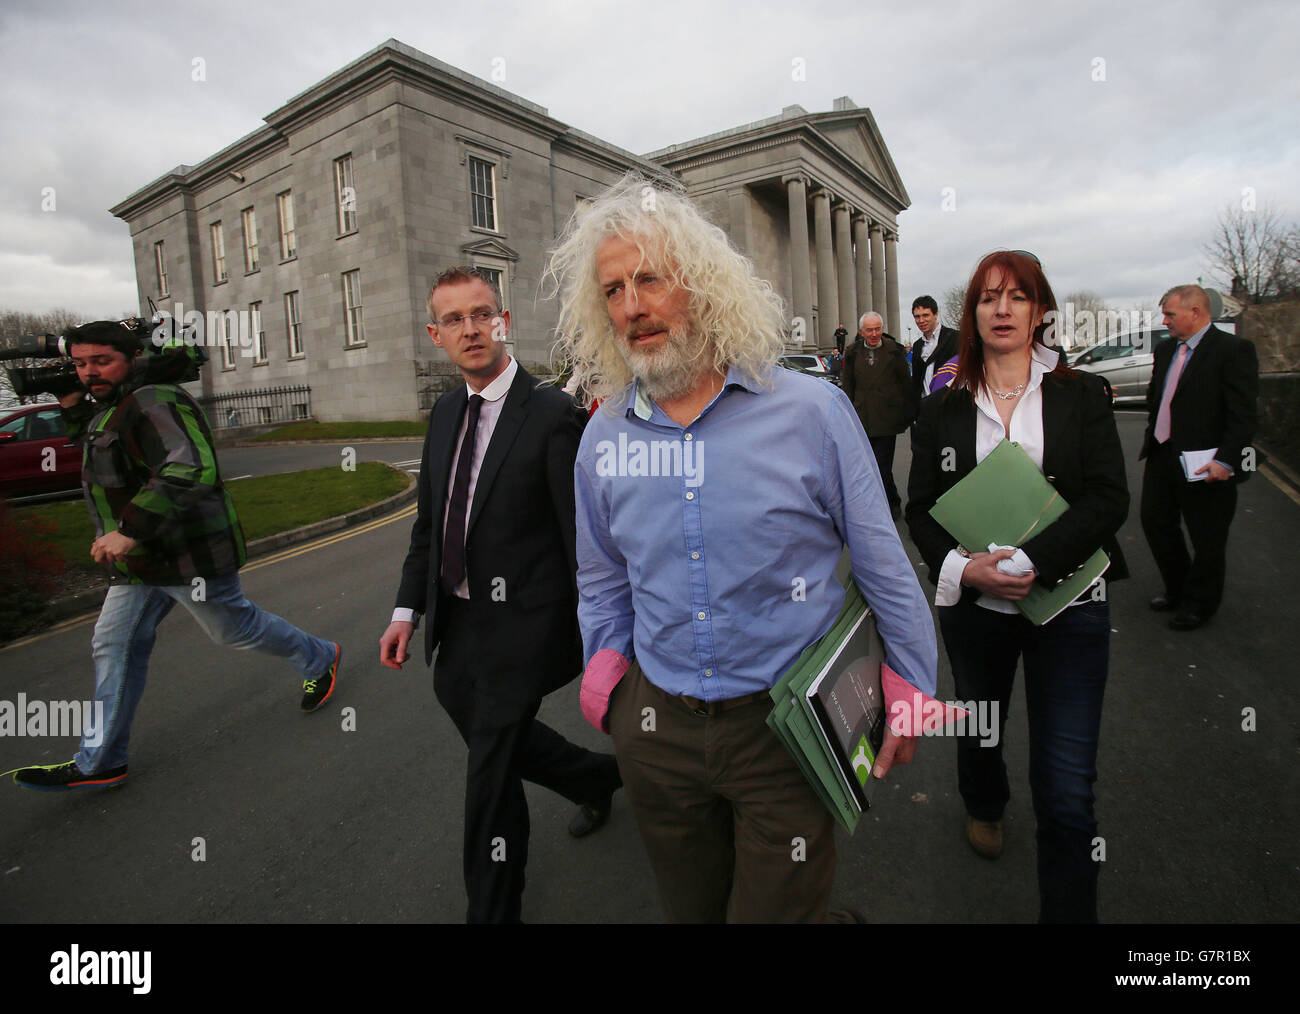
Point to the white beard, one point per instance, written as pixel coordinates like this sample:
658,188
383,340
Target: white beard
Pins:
670,371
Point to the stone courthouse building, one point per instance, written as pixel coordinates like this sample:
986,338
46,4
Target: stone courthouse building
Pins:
324,227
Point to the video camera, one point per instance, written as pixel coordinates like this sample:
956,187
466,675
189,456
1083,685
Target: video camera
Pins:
168,355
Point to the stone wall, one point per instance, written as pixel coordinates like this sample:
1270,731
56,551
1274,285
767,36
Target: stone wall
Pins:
1275,330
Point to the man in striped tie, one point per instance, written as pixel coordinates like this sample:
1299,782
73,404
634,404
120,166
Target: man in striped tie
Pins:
1202,397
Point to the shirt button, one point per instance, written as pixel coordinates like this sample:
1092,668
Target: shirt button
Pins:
689,436
695,556
699,616
690,496
708,672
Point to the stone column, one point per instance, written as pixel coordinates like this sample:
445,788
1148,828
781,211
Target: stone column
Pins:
862,258
828,303
741,233
891,280
878,273
844,265
796,193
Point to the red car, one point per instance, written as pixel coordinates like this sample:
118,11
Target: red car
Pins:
36,455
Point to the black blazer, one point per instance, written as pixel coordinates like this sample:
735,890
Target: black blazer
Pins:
1215,404
945,350
519,542
1082,459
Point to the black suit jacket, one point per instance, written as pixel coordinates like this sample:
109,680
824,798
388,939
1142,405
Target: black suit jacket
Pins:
1215,404
945,350
1082,459
519,542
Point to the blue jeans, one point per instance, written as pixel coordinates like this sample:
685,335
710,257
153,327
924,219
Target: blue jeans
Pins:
1066,661
124,639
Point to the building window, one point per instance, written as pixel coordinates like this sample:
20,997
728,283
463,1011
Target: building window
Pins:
259,336
498,271
263,414
288,239
482,194
250,240
223,340
356,333
218,254
293,324
300,410
345,195
160,262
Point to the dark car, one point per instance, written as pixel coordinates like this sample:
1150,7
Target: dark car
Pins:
36,455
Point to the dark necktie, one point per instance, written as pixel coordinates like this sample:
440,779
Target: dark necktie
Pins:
453,542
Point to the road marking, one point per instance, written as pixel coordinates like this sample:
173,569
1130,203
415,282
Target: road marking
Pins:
1279,482
327,540
236,477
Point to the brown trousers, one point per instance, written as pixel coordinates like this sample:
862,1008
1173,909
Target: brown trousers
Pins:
733,830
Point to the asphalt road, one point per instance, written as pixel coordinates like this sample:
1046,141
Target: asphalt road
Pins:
302,821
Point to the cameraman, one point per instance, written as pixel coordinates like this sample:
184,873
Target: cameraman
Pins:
167,533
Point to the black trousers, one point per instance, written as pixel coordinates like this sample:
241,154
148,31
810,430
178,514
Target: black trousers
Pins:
883,447
506,745
1195,579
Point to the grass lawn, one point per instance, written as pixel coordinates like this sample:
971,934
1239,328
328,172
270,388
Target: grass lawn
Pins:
345,431
267,505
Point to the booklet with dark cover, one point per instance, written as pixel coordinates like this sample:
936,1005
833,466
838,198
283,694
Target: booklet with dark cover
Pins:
849,706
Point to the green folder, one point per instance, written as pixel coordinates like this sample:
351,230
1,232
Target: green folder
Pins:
794,723
1006,500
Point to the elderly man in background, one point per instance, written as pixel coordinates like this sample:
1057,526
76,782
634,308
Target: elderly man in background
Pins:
876,379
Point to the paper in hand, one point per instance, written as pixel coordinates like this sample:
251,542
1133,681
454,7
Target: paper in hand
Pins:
1192,460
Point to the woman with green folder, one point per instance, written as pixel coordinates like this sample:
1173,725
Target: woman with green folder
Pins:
1011,385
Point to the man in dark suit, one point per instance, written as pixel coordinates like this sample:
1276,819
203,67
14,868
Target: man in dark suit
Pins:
935,347
1202,396
492,568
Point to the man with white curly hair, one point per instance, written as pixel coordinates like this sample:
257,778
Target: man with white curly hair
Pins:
715,495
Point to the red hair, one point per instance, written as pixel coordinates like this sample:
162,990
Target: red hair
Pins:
1019,270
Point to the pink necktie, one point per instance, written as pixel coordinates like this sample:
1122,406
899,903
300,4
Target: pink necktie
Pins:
1171,385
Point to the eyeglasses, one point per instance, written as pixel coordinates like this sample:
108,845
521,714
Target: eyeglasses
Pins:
453,324
1032,257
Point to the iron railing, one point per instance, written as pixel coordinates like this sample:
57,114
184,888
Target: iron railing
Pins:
258,406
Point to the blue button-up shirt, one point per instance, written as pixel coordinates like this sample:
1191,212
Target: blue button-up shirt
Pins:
708,551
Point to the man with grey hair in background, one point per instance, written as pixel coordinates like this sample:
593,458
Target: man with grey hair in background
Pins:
715,495
1202,397
875,378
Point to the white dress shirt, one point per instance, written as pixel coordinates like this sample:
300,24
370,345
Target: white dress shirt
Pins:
930,342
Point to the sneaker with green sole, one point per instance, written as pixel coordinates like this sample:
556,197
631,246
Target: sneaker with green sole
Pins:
315,692
58,777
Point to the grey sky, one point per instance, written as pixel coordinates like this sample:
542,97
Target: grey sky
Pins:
1114,183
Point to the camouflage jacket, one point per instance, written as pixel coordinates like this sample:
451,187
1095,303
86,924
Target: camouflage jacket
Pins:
149,470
